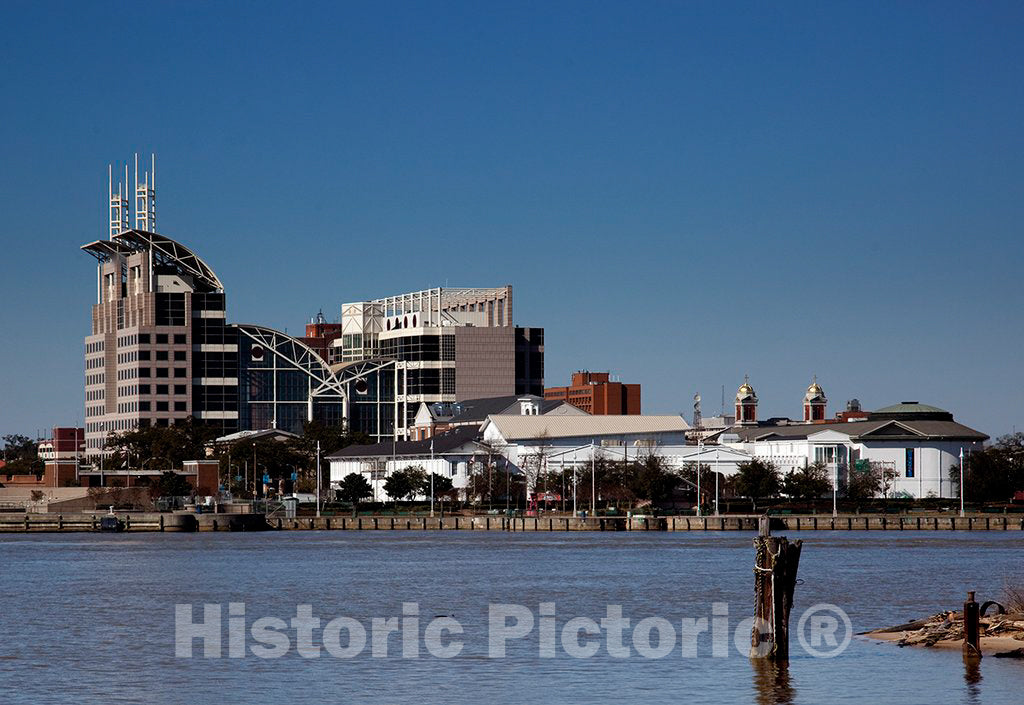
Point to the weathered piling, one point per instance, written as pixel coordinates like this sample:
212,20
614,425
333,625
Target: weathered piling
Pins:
972,628
775,569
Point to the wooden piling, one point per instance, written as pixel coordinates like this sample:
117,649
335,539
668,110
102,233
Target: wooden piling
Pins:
972,630
775,569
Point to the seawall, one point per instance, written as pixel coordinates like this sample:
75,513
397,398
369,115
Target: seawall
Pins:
186,522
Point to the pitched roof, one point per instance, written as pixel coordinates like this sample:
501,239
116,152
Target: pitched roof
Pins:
477,410
902,429
443,443
527,427
255,435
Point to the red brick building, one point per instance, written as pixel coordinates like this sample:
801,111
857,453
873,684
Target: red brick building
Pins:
595,393
320,334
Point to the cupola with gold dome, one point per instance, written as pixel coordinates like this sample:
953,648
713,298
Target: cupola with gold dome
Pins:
746,403
815,403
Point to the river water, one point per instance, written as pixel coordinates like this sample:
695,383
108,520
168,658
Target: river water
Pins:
91,618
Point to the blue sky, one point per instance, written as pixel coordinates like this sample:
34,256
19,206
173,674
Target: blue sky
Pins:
680,193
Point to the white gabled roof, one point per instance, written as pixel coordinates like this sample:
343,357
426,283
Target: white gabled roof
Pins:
241,435
514,428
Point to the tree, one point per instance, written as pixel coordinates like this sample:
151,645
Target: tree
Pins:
352,488
688,477
405,483
171,445
758,479
650,478
443,486
170,484
809,482
995,473
21,454
865,482
331,439
276,459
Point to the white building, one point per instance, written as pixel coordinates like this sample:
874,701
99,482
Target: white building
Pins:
448,454
556,442
916,442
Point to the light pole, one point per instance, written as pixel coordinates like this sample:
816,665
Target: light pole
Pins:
254,471
835,486
716,481
961,482
432,477
318,479
700,452
574,514
593,481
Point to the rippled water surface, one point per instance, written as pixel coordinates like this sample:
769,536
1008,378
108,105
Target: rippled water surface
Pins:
89,618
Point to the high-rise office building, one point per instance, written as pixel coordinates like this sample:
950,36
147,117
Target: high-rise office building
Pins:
447,344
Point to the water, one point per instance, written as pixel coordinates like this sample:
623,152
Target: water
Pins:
90,618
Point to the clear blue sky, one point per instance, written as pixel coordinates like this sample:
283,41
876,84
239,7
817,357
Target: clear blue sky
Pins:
680,193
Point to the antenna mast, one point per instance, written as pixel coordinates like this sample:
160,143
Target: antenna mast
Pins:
119,206
145,197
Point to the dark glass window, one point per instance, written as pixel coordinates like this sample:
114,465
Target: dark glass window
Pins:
292,385
179,339
161,355
179,389
143,406
179,371
161,389
143,338
179,406
143,372
179,355
161,406
143,354
161,339
170,309
161,371
423,382
144,389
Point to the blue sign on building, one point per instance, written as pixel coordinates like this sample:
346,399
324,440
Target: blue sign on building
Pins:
910,462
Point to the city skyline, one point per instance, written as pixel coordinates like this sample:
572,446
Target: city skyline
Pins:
681,197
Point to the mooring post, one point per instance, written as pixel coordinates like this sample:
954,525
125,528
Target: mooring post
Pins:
972,635
775,569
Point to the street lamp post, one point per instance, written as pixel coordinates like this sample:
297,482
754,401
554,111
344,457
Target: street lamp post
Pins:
700,452
835,487
574,514
432,478
716,481
961,482
318,479
593,481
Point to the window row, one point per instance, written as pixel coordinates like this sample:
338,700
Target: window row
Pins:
126,341
133,390
130,407
136,372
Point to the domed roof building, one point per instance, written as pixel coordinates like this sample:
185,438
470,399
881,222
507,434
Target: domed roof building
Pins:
815,403
746,403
